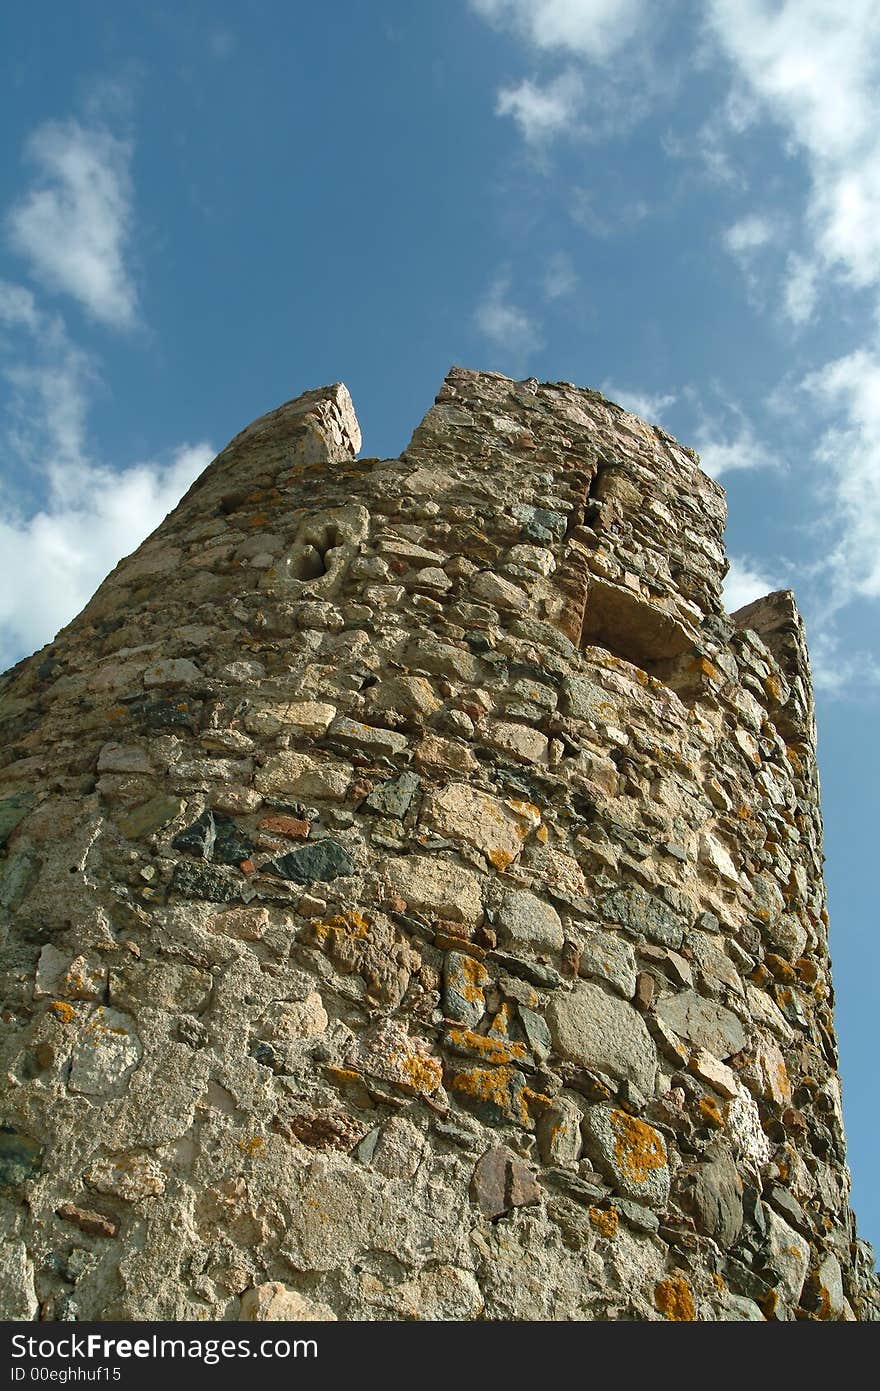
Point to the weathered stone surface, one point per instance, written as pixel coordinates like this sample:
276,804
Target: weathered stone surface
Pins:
300,775
712,1192
394,798
278,1303
18,1299
630,1152
525,921
611,958
463,981
105,1054
497,828
601,1032
433,885
703,1023
644,914
21,1157
389,846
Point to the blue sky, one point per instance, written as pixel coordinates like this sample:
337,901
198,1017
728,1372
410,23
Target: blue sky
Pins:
206,209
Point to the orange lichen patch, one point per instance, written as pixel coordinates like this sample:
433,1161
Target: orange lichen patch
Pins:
718,1281
638,1147
780,968
706,668
485,1047
743,812
542,835
252,1145
499,859
115,712
475,977
422,1073
353,924
494,1086
794,758
807,971
711,1112
606,1220
674,1299
773,687
248,866
63,1011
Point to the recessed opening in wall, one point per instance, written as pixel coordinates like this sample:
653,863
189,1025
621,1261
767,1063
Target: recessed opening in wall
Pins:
639,632
309,562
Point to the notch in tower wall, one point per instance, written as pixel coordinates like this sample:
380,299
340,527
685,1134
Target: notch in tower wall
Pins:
410,855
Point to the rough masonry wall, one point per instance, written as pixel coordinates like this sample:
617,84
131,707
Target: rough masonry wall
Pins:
413,901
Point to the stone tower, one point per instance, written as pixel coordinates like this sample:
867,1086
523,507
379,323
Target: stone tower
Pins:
412,898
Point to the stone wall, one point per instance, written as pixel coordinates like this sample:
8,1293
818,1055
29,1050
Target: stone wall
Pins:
413,901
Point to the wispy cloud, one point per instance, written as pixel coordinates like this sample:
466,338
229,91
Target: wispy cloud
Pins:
560,277
749,234
73,224
645,404
510,330
543,111
592,29
67,517
727,441
812,66
847,392
745,582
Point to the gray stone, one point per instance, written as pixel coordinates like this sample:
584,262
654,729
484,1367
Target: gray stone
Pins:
149,816
322,861
645,915
610,958
524,920
394,798
21,1157
713,1194
18,1299
703,1022
603,1033
13,810
787,1255
202,881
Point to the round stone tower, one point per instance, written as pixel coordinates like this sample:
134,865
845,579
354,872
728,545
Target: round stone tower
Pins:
412,898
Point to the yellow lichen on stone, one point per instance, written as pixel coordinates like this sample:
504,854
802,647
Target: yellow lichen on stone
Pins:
606,1220
638,1147
674,1299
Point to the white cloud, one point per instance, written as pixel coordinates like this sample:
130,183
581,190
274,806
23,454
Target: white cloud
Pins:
560,277
73,225
592,29
52,562
644,404
801,288
848,390
745,582
813,66
727,442
749,234
509,329
542,112
54,551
